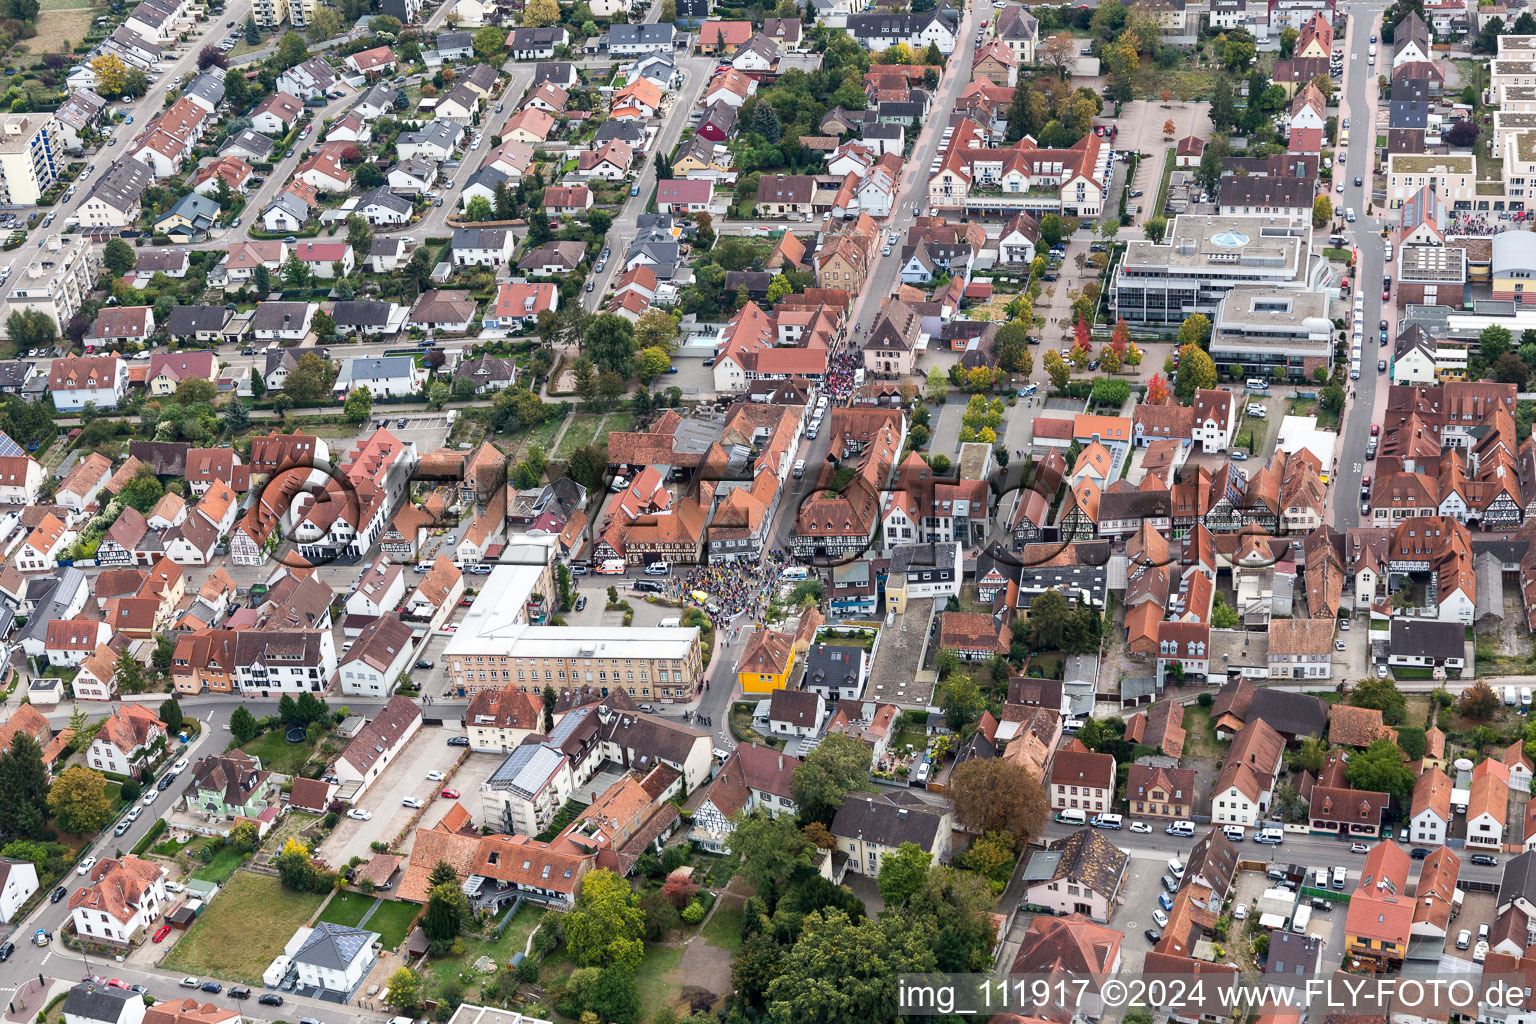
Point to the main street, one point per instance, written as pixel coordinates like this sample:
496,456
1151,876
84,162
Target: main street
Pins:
1359,105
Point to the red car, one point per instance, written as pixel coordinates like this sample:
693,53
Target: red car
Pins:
117,983
162,932
1375,429
450,794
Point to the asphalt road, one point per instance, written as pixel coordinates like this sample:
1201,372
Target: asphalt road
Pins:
1359,106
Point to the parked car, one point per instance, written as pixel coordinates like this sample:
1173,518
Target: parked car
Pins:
85,866
458,741
452,794
162,932
212,986
270,999
358,814
57,894
436,776
1486,860
411,801
424,663
1141,827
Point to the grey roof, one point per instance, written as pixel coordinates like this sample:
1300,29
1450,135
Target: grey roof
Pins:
374,368
194,207
454,41
1290,953
1519,881
553,71
631,132
909,558
632,35
874,819
188,320
526,769
82,107
382,196
209,86
386,245
255,143
380,95
532,38
287,357
291,205
488,176
1514,250
1291,714
464,96
481,75
440,133
651,738
486,368
1424,638
360,314
480,238
97,1002
1083,858
333,946
123,184
833,665
1212,862
276,316
52,601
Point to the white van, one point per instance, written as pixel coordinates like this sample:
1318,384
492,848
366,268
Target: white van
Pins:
1180,828
1270,834
1256,384
1072,817
1233,833
1510,697
799,468
1525,696
1107,821
611,565
1176,867
1320,879
1338,876
795,572
657,569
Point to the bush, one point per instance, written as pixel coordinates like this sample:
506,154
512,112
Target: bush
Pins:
132,789
149,837
330,820
673,857
693,913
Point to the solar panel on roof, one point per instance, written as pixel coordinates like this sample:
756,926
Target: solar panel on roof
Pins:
9,446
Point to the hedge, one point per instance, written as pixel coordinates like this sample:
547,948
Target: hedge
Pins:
145,843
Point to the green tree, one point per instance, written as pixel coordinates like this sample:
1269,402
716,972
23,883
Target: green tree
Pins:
23,788
358,406
1492,343
296,272
325,23
1197,372
1322,211
839,970
604,926
242,725
1384,696
610,343
447,910
263,279
656,328
1011,345
903,873
773,849
170,714
961,701
290,51
1155,228
405,990
359,234
1379,768
550,699
490,44
118,257
839,766
480,208
653,362
309,382
78,801
129,674
541,13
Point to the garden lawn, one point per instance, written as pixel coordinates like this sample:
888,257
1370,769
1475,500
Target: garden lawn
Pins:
542,437
512,940
277,754
225,860
243,931
393,919
656,976
723,929
347,908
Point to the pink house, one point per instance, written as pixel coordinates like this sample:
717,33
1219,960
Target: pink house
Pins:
684,195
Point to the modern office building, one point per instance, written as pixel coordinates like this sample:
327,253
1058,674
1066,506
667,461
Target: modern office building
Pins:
1204,257
1260,329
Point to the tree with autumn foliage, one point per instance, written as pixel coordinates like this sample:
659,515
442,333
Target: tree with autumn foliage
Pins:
1120,337
1080,335
1081,353
1168,128
1157,390
1058,369
1109,359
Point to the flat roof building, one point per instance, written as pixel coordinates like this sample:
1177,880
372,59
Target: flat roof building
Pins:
1264,328
1205,257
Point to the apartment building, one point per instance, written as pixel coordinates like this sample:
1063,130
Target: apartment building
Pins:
59,290
30,157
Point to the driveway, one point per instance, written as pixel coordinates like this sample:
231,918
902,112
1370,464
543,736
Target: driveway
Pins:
406,777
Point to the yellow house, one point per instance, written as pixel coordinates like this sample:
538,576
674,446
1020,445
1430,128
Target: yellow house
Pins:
768,661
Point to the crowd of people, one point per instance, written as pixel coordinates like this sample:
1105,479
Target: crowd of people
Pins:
733,589
1478,224
839,383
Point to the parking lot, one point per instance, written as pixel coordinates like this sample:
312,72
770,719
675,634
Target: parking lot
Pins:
406,777
1478,909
